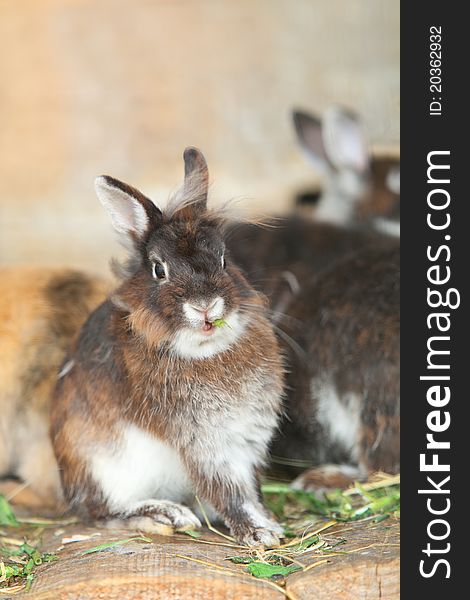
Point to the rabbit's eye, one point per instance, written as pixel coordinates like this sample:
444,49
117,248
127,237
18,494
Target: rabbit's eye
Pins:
159,270
224,264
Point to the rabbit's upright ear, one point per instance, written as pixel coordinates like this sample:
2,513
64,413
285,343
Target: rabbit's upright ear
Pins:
196,179
309,135
345,141
132,214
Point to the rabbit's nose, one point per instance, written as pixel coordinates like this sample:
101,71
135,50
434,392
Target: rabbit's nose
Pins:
216,309
199,308
209,310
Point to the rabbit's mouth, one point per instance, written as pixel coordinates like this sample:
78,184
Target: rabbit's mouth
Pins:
208,328
209,336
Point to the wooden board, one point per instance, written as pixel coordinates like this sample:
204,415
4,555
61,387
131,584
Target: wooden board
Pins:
365,566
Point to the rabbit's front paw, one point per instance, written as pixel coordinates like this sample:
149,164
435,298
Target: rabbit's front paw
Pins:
259,536
276,527
258,528
166,512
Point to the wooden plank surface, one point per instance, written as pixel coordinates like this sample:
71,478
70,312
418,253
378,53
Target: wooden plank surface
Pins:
370,570
364,566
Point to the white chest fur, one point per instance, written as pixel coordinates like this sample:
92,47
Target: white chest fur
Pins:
140,467
226,441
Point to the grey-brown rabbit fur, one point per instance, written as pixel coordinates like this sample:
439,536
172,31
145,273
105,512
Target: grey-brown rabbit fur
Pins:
173,388
343,391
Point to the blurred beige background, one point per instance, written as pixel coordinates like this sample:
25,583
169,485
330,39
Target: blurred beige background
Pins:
122,86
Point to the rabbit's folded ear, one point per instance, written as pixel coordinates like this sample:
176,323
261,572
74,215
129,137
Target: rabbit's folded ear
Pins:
309,135
132,214
344,140
196,179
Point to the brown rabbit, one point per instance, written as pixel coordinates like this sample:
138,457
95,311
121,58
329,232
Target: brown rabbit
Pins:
343,404
357,188
41,309
333,281
173,388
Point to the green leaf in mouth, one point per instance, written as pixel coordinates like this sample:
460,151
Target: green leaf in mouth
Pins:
220,323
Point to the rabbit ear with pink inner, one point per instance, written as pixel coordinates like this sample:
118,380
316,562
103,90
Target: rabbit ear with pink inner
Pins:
133,215
344,140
